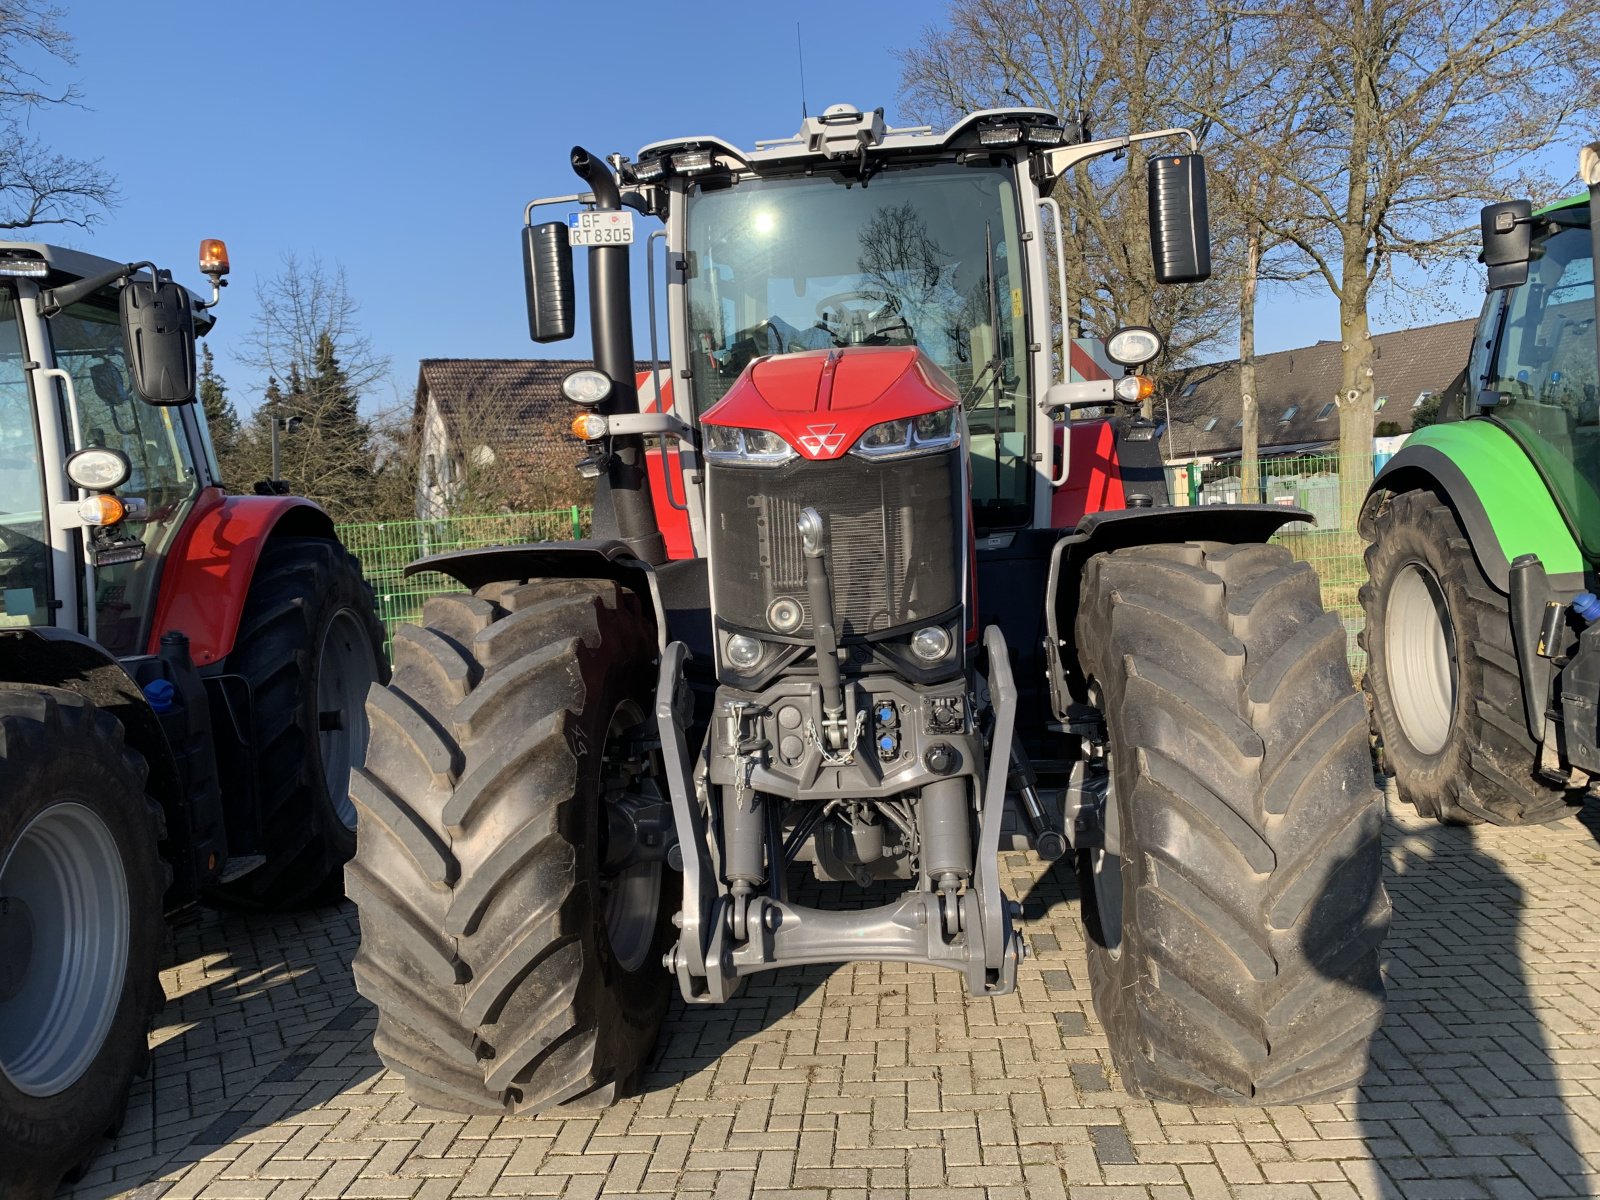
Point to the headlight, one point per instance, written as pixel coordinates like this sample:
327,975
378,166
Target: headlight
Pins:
744,652
1133,346
911,435
587,387
98,469
931,643
753,447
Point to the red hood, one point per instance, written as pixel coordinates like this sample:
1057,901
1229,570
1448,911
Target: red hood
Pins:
822,401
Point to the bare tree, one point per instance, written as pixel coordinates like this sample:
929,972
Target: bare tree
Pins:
1108,67
319,364
305,303
38,185
1415,112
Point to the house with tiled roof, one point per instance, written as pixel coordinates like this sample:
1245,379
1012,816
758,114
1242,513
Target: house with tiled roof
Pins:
494,433
1295,393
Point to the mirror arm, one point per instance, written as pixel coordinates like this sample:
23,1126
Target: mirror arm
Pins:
1062,160
69,294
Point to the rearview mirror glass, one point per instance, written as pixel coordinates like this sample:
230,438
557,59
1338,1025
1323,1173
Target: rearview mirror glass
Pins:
158,331
1180,223
547,270
1507,243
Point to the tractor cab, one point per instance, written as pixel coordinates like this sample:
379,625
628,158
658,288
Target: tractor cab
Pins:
852,234
96,481
1533,360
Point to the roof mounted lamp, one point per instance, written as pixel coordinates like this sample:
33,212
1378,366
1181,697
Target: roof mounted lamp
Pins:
214,266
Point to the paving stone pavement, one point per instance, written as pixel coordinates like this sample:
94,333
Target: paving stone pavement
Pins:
885,1081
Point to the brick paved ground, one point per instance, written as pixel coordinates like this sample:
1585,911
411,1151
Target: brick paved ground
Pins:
884,1081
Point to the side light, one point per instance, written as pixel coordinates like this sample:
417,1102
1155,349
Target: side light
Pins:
587,387
98,469
589,426
1134,389
101,509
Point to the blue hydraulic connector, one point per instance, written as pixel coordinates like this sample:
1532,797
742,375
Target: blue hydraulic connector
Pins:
1587,606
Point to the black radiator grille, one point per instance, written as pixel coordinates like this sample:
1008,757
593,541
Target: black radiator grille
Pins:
894,539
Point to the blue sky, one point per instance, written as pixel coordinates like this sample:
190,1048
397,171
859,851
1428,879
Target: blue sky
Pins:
402,140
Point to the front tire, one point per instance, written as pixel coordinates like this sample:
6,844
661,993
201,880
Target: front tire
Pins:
310,645
510,970
1233,939
80,932
1442,675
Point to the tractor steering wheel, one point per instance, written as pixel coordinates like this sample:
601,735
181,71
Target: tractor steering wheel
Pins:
857,318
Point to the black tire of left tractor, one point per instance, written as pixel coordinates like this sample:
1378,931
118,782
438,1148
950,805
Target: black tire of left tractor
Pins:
485,943
301,587
1244,969
57,747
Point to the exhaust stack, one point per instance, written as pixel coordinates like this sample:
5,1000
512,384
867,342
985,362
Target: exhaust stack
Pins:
624,508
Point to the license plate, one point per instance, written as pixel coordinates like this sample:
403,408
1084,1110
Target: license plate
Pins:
609,228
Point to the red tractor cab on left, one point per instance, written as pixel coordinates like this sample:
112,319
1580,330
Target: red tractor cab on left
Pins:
182,679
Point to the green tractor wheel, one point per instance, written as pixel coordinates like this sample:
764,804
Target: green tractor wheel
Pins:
1442,675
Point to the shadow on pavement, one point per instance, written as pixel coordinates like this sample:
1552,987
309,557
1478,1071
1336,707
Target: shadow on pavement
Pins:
259,1007
1462,1095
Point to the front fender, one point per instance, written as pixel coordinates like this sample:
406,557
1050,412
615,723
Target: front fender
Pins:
1496,492
553,560
209,568
1100,533
60,658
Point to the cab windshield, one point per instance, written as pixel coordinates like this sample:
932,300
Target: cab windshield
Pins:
1536,349
928,256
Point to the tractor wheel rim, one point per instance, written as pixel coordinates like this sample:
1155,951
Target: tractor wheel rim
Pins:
632,904
1420,653
1105,868
346,668
66,875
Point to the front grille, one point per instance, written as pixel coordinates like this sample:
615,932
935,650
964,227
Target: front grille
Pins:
894,539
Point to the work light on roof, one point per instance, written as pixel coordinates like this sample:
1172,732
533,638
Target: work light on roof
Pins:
28,267
648,170
1000,135
692,162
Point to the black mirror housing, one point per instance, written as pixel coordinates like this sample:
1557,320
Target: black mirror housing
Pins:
547,271
1507,243
1180,222
158,331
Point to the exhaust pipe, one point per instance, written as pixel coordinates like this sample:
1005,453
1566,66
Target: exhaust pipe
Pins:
623,507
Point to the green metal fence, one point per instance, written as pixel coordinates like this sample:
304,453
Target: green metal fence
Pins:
1309,481
385,547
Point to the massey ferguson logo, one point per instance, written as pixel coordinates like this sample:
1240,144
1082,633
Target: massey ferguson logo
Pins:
821,439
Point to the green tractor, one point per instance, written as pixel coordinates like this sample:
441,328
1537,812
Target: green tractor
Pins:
1483,647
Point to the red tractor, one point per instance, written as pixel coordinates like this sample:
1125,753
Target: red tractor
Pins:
182,684
597,770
